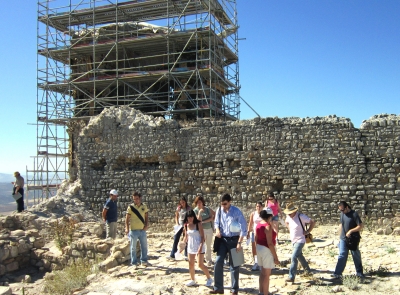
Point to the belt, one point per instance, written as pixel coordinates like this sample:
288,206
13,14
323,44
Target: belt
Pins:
231,238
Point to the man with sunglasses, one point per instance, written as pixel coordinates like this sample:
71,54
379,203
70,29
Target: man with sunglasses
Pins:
350,224
231,226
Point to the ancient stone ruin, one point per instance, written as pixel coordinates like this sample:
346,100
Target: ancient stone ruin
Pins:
314,162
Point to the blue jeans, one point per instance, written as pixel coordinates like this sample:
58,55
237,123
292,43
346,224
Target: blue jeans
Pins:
225,247
142,237
297,255
342,259
177,237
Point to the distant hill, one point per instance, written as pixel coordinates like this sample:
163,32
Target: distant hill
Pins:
6,177
7,203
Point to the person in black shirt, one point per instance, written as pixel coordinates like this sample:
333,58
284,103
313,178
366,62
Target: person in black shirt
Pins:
350,225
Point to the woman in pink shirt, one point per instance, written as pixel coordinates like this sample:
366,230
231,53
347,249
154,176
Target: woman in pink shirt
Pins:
265,240
273,203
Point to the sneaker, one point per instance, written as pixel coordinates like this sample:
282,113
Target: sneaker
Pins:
170,258
255,267
335,276
209,282
144,264
308,273
190,283
362,278
209,263
289,280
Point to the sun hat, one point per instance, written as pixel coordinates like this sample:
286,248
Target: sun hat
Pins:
290,208
114,192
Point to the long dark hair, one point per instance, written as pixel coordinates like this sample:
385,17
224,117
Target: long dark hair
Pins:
183,199
191,213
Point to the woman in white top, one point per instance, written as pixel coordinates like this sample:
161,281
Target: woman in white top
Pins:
180,214
194,238
254,220
206,216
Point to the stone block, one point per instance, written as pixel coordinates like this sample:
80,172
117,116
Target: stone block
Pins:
12,266
39,243
107,264
5,290
102,248
14,251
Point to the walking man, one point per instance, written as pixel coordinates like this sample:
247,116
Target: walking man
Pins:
350,225
110,215
19,188
230,225
296,223
136,224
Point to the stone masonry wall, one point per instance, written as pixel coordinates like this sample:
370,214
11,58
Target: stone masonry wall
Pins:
314,162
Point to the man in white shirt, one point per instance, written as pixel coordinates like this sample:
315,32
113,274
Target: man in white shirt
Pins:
296,223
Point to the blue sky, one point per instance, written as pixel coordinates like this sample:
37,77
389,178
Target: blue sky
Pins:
299,58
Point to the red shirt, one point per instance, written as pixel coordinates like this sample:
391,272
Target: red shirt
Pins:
262,237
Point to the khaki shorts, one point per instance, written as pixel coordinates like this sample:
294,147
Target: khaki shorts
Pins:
264,257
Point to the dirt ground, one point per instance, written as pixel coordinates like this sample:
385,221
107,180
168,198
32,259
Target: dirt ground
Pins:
380,255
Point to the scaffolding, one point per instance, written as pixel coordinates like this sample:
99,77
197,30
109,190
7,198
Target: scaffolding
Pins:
172,58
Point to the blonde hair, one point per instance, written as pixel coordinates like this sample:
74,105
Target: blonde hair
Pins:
16,173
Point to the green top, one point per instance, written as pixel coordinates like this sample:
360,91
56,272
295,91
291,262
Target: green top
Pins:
204,215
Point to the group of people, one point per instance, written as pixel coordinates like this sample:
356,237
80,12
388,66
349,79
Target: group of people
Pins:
200,225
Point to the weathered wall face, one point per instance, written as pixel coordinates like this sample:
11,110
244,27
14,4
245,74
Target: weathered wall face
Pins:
314,162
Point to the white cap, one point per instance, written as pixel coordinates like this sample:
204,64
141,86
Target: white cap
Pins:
268,210
114,192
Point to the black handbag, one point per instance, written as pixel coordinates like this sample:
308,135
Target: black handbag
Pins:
217,241
353,241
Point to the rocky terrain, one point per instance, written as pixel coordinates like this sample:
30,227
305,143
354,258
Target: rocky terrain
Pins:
380,254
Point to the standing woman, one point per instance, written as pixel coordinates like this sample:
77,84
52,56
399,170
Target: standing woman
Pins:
254,220
194,239
206,216
273,203
265,240
180,215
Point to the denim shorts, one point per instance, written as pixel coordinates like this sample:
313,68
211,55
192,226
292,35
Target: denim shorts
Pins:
275,218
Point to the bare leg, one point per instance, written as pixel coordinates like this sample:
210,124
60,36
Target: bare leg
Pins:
265,283
275,227
253,248
201,265
191,257
260,281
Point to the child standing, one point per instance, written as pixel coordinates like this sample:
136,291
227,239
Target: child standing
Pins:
194,237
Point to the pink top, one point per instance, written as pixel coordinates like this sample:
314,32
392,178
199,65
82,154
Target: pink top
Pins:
296,231
274,207
262,237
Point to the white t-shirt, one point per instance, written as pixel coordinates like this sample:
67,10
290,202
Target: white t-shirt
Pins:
296,231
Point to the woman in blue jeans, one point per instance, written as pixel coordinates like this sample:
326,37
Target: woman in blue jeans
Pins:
180,215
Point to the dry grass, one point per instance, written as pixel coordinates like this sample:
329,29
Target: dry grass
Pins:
72,277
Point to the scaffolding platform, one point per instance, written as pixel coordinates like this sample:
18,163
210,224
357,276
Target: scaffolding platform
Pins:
172,58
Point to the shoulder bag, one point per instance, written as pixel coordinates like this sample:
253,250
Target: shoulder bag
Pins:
309,236
353,241
217,240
